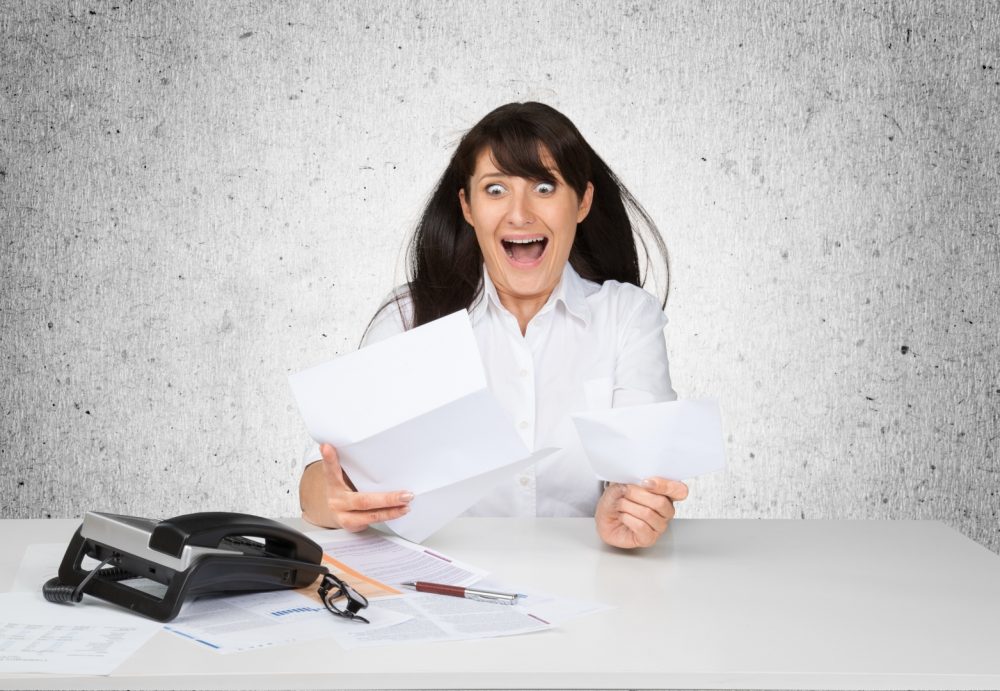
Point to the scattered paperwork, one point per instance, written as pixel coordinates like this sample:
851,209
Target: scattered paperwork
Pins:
40,636
677,440
430,617
223,624
413,412
371,562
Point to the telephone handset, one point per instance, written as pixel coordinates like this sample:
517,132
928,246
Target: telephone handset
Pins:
191,555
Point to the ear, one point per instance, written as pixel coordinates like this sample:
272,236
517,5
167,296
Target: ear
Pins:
585,203
466,211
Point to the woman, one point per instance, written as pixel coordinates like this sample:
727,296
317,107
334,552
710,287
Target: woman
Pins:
529,230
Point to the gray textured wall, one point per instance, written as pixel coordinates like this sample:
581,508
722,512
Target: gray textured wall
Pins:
199,198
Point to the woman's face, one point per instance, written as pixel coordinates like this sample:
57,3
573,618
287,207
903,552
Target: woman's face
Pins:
525,228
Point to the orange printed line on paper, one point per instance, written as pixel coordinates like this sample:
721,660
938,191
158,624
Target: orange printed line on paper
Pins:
357,575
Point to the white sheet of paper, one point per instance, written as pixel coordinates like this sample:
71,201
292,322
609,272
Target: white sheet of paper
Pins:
432,509
413,412
366,392
674,439
84,638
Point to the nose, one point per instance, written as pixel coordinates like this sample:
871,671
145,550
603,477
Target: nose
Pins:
519,212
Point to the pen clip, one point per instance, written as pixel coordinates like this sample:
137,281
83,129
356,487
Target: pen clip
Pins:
481,596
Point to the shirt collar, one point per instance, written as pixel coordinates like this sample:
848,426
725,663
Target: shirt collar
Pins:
569,291
486,294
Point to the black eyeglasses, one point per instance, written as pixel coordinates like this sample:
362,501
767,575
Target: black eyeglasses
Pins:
332,588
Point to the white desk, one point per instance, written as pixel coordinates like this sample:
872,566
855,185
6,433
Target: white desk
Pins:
717,604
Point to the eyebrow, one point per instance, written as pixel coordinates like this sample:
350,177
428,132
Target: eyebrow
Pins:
500,174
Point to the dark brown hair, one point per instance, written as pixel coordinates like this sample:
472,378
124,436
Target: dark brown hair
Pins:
445,262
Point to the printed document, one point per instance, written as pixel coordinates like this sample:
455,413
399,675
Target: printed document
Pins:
390,560
677,440
41,636
413,412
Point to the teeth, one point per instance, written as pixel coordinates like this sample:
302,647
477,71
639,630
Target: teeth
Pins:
524,242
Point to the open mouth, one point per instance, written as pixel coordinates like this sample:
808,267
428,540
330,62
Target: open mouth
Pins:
525,250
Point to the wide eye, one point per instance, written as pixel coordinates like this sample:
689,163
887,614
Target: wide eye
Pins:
545,188
495,189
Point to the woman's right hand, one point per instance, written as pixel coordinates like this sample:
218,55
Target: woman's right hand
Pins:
329,500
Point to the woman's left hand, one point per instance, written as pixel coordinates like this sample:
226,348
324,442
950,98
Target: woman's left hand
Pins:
632,516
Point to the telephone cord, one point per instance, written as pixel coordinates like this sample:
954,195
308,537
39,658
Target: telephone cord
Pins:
54,590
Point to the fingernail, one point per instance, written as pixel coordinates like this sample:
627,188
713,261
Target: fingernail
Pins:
406,497
648,484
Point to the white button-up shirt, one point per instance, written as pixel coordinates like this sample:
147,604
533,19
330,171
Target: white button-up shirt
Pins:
590,347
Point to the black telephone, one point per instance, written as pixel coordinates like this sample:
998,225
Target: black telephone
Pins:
192,555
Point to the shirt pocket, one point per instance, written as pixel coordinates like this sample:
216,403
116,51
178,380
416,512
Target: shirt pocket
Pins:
598,393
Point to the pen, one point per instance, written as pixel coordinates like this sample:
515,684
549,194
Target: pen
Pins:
467,593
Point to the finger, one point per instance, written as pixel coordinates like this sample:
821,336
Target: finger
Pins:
613,490
653,519
660,503
374,501
642,534
354,521
674,489
331,468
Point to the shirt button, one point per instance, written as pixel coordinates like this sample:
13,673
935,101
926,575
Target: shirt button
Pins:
524,373
524,481
524,424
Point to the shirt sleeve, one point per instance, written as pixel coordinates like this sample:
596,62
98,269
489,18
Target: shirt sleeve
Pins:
642,373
